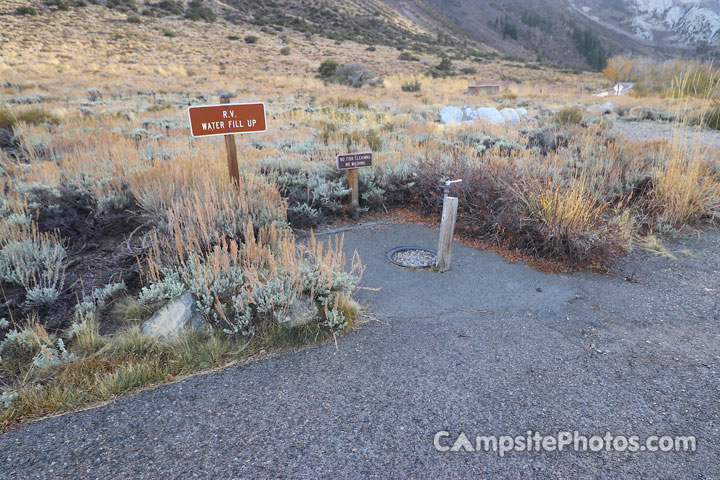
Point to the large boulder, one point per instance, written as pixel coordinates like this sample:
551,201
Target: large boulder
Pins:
451,116
489,114
609,107
510,115
178,317
524,115
469,113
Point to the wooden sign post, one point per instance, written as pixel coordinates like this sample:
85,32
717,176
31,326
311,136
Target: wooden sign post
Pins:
228,119
351,162
231,149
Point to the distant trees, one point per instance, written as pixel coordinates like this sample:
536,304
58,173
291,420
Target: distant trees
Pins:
534,19
443,69
618,69
591,47
197,11
506,26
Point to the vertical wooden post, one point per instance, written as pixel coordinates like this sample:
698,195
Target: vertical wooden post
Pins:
447,230
231,149
355,194
354,185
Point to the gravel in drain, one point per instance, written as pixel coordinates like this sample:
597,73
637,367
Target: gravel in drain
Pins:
415,258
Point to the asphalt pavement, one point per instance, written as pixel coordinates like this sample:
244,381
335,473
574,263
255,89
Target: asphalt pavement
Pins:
490,348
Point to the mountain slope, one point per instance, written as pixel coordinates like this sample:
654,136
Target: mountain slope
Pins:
579,33
689,26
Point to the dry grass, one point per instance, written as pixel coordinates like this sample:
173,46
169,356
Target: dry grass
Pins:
684,189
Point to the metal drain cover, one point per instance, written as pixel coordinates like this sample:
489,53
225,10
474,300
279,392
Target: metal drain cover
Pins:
413,257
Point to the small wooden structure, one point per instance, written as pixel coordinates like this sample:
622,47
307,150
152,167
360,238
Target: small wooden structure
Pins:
487,88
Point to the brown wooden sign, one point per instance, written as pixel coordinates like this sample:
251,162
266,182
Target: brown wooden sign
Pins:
226,119
354,160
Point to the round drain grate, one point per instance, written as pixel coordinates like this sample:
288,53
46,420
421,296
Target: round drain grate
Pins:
412,257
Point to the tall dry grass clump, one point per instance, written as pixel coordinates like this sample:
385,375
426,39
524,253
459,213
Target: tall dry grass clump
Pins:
195,192
676,78
229,245
684,190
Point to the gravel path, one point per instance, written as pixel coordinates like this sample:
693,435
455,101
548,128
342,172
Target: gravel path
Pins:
638,131
489,348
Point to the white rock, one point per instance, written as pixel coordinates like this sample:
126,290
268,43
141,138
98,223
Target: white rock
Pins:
178,317
469,113
595,110
489,114
522,112
451,115
510,115
609,107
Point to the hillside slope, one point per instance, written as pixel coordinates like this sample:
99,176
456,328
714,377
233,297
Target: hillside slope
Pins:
579,33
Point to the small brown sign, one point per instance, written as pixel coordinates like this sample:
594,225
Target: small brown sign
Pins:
354,160
227,118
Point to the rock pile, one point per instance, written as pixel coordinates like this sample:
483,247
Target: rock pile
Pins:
455,115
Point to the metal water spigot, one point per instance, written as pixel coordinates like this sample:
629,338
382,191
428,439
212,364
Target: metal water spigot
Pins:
446,186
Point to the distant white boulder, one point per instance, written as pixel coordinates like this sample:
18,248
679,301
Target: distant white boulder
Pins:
524,115
603,109
451,116
489,114
469,114
510,115
609,107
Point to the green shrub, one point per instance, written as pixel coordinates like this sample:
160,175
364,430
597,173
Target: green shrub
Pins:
171,6
569,116
251,39
355,75
327,69
169,33
122,4
196,11
233,37
469,70
285,51
413,86
443,69
408,57
59,4
134,19
26,10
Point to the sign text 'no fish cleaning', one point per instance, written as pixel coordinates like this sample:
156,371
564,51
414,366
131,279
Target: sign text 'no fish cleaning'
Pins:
354,160
228,118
